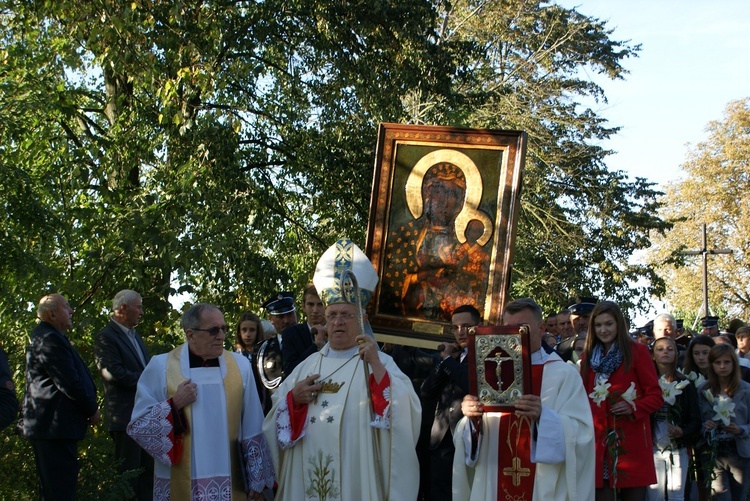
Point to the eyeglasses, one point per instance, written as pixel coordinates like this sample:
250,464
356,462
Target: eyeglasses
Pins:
344,317
214,331
464,327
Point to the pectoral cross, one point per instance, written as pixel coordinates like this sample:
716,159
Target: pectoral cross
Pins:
499,359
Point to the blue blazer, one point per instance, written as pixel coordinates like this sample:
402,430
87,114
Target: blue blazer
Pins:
60,393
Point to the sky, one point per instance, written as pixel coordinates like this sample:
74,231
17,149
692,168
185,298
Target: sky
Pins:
694,60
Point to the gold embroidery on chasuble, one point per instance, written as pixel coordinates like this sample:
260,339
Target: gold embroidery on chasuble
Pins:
324,432
515,471
515,476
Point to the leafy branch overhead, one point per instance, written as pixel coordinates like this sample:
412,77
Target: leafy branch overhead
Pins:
216,148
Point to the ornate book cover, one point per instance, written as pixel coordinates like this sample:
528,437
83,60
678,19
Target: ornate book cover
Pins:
499,365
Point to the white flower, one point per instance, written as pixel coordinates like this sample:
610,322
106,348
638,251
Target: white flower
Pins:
709,396
601,391
629,396
724,409
696,378
670,391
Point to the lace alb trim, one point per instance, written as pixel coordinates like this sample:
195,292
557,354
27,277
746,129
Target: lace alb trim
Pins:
152,430
258,465
284,426
384,422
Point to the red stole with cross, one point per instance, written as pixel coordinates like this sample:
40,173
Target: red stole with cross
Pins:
515,472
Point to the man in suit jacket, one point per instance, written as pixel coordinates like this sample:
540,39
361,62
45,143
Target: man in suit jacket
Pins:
60,400
121,357
442,393
8,400
299,340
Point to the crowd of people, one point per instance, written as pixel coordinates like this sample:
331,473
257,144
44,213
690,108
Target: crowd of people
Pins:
319,410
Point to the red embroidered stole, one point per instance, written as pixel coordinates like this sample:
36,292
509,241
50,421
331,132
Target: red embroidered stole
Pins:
515,472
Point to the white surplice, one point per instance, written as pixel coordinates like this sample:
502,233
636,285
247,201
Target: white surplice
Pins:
563,448
211,451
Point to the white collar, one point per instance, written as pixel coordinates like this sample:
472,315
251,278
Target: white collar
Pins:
348,353
126,330
539,357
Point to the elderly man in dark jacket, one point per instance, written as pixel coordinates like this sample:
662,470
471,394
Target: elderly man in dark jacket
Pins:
60,400
121,357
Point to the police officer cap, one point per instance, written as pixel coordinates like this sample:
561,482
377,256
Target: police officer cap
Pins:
710,321
646,330
582,305
280,303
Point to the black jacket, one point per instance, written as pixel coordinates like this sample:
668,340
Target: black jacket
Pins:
8,400
443,390
297,345
60,393
686,413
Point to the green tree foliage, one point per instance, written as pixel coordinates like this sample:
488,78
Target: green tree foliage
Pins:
216,148
713,191
219,146
162,143
580,223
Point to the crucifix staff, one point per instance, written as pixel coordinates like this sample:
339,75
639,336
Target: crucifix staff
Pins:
705,251
350,291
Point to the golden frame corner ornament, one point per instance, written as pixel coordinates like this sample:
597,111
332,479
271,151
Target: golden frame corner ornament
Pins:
499,365
443,212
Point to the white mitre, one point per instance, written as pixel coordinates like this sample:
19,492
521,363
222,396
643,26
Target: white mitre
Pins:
341,256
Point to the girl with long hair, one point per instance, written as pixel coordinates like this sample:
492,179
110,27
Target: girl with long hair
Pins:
674,426
726,427
248,334
696,369
624,447
696,356
248,337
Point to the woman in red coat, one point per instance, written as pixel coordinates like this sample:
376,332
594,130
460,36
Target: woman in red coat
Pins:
612,358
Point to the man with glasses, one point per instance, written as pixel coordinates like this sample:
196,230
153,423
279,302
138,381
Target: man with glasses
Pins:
442,393
345,422
198,414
